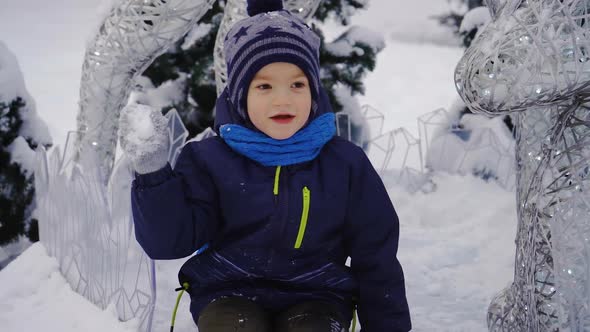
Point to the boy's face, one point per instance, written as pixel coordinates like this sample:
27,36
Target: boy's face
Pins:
279,100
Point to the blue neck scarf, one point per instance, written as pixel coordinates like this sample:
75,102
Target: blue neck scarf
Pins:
305,145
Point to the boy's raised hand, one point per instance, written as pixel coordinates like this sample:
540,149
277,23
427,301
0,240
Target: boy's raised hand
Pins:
143,134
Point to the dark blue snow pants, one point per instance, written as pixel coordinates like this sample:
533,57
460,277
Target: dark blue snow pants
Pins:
240,314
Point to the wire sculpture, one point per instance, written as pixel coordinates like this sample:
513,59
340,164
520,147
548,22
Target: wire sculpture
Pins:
87,226
532,60
131,37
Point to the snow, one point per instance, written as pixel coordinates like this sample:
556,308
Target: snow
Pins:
456,244
143,133
166,94
21,153
351,107
410,80
475,18
12,85
35,297
407,21
12,250
482,145
346,45
418,60
141,125
196,33
457,250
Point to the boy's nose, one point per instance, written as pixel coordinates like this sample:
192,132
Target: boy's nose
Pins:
281,97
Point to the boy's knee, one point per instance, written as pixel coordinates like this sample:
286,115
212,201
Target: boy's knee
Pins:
311,317
233,314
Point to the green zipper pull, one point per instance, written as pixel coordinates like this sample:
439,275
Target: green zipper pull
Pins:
275,189
304,216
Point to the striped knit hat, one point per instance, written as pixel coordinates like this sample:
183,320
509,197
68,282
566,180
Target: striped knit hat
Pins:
269,35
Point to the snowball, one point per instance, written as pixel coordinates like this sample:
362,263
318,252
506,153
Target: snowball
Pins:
144,131
141,126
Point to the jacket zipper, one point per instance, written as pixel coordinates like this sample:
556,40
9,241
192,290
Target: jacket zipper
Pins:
275,189
279,218
304,216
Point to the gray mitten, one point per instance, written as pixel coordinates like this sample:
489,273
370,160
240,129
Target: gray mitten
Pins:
143,134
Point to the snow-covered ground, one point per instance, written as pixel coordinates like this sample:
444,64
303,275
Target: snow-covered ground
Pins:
34,296
457,243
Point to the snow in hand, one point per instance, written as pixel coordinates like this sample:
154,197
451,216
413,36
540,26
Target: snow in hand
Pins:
143,134
139,129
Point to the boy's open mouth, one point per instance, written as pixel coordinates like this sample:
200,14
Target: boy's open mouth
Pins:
283,118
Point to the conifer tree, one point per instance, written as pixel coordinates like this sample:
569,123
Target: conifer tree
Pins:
16,186
454,18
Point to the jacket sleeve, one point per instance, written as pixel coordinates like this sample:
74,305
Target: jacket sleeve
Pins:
372,238
175,211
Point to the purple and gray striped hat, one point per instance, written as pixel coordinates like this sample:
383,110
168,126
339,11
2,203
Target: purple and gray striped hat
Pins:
269,35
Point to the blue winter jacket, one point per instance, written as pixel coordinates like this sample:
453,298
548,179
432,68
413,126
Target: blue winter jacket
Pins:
277,235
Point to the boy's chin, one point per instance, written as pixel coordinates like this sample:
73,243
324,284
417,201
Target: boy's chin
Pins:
280,135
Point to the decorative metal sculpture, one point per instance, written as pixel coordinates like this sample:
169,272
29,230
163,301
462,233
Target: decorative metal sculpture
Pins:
131,37
235,10
87,226
533,61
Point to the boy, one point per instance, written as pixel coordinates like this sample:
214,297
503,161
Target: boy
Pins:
280,201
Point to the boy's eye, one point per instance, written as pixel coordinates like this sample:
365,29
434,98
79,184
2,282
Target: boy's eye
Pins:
263,86
298,85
